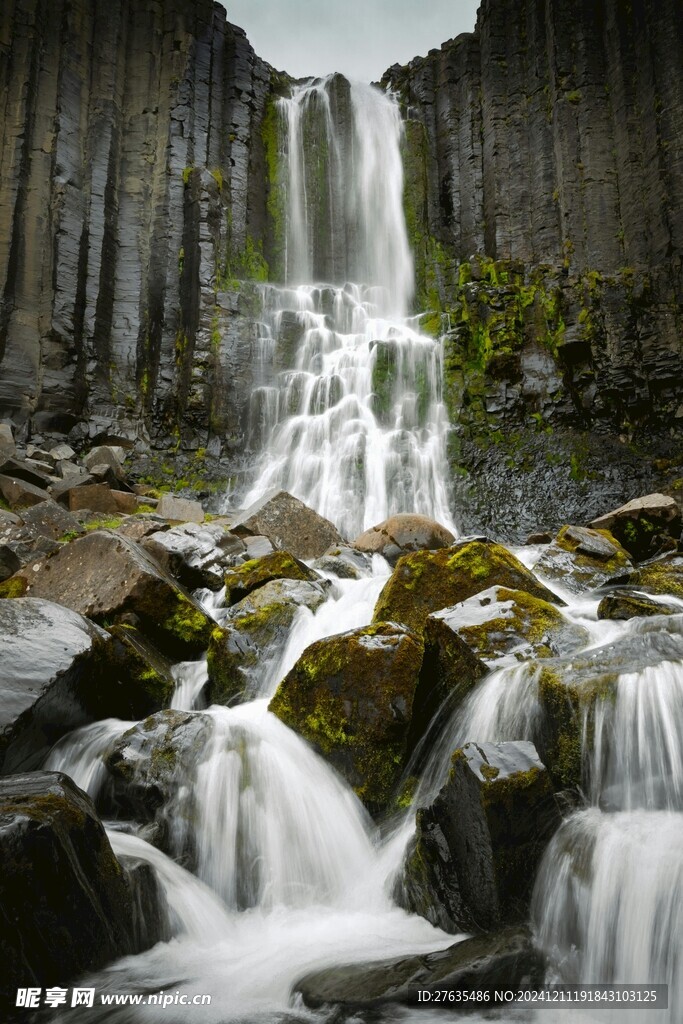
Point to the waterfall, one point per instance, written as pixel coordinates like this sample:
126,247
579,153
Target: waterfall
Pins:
348,412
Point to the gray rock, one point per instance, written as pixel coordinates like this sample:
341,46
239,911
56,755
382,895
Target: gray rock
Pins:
109,578
506,626
55,677
62,453
197,555
20,494
7,446
49,519
288,524
485,963
471,863
581,559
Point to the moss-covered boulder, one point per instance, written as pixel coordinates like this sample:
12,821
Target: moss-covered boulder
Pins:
150,769
426,581
352,696
279,565
498,961
581,559
663,576
110,579
645,525
146,669
256,629
570,690
503,626
471,863
66,904
402,533
628,603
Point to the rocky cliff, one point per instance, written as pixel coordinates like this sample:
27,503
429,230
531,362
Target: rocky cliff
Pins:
140,189
132,191
548,144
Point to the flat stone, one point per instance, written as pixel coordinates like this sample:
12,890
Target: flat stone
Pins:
180,510
19,493
125,502
50,519
62,452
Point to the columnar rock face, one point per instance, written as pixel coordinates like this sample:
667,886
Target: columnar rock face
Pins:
544,199
132,188
551,131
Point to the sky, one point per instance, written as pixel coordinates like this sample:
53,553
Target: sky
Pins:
360,38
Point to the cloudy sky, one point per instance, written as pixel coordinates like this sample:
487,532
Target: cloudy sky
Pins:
361,38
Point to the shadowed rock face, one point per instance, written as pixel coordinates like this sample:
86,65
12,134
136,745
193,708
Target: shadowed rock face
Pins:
131,130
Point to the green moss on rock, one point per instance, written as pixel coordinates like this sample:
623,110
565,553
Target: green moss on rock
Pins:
426,581
15,586
352,697
241,581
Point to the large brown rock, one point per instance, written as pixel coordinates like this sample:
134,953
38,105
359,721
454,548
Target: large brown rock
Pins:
288,524
426,581
354,697
108,578
402,533
19,493
67,906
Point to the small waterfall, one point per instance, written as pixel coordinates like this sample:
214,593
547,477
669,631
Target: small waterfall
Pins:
345,218
348,414
608,903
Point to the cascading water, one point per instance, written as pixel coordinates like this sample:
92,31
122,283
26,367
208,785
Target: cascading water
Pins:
349,415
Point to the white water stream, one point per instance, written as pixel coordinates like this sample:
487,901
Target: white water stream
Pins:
348,415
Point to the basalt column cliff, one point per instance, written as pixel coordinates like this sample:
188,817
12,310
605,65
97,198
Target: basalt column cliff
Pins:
141,204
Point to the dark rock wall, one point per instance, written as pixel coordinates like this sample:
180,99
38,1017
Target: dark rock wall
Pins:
549,145
132,177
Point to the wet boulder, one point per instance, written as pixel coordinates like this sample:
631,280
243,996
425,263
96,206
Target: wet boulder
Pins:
110,578
353,698
147,671
150,771
67,906
501,960
630,603
56,675
645,525
471,864
243,579
581,559
661,576
254,630
402,533
345,562
427,581
195,555
288,524
571,690
504,626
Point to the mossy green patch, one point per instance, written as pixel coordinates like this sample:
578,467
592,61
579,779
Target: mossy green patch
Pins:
351,696
15,586
426,581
